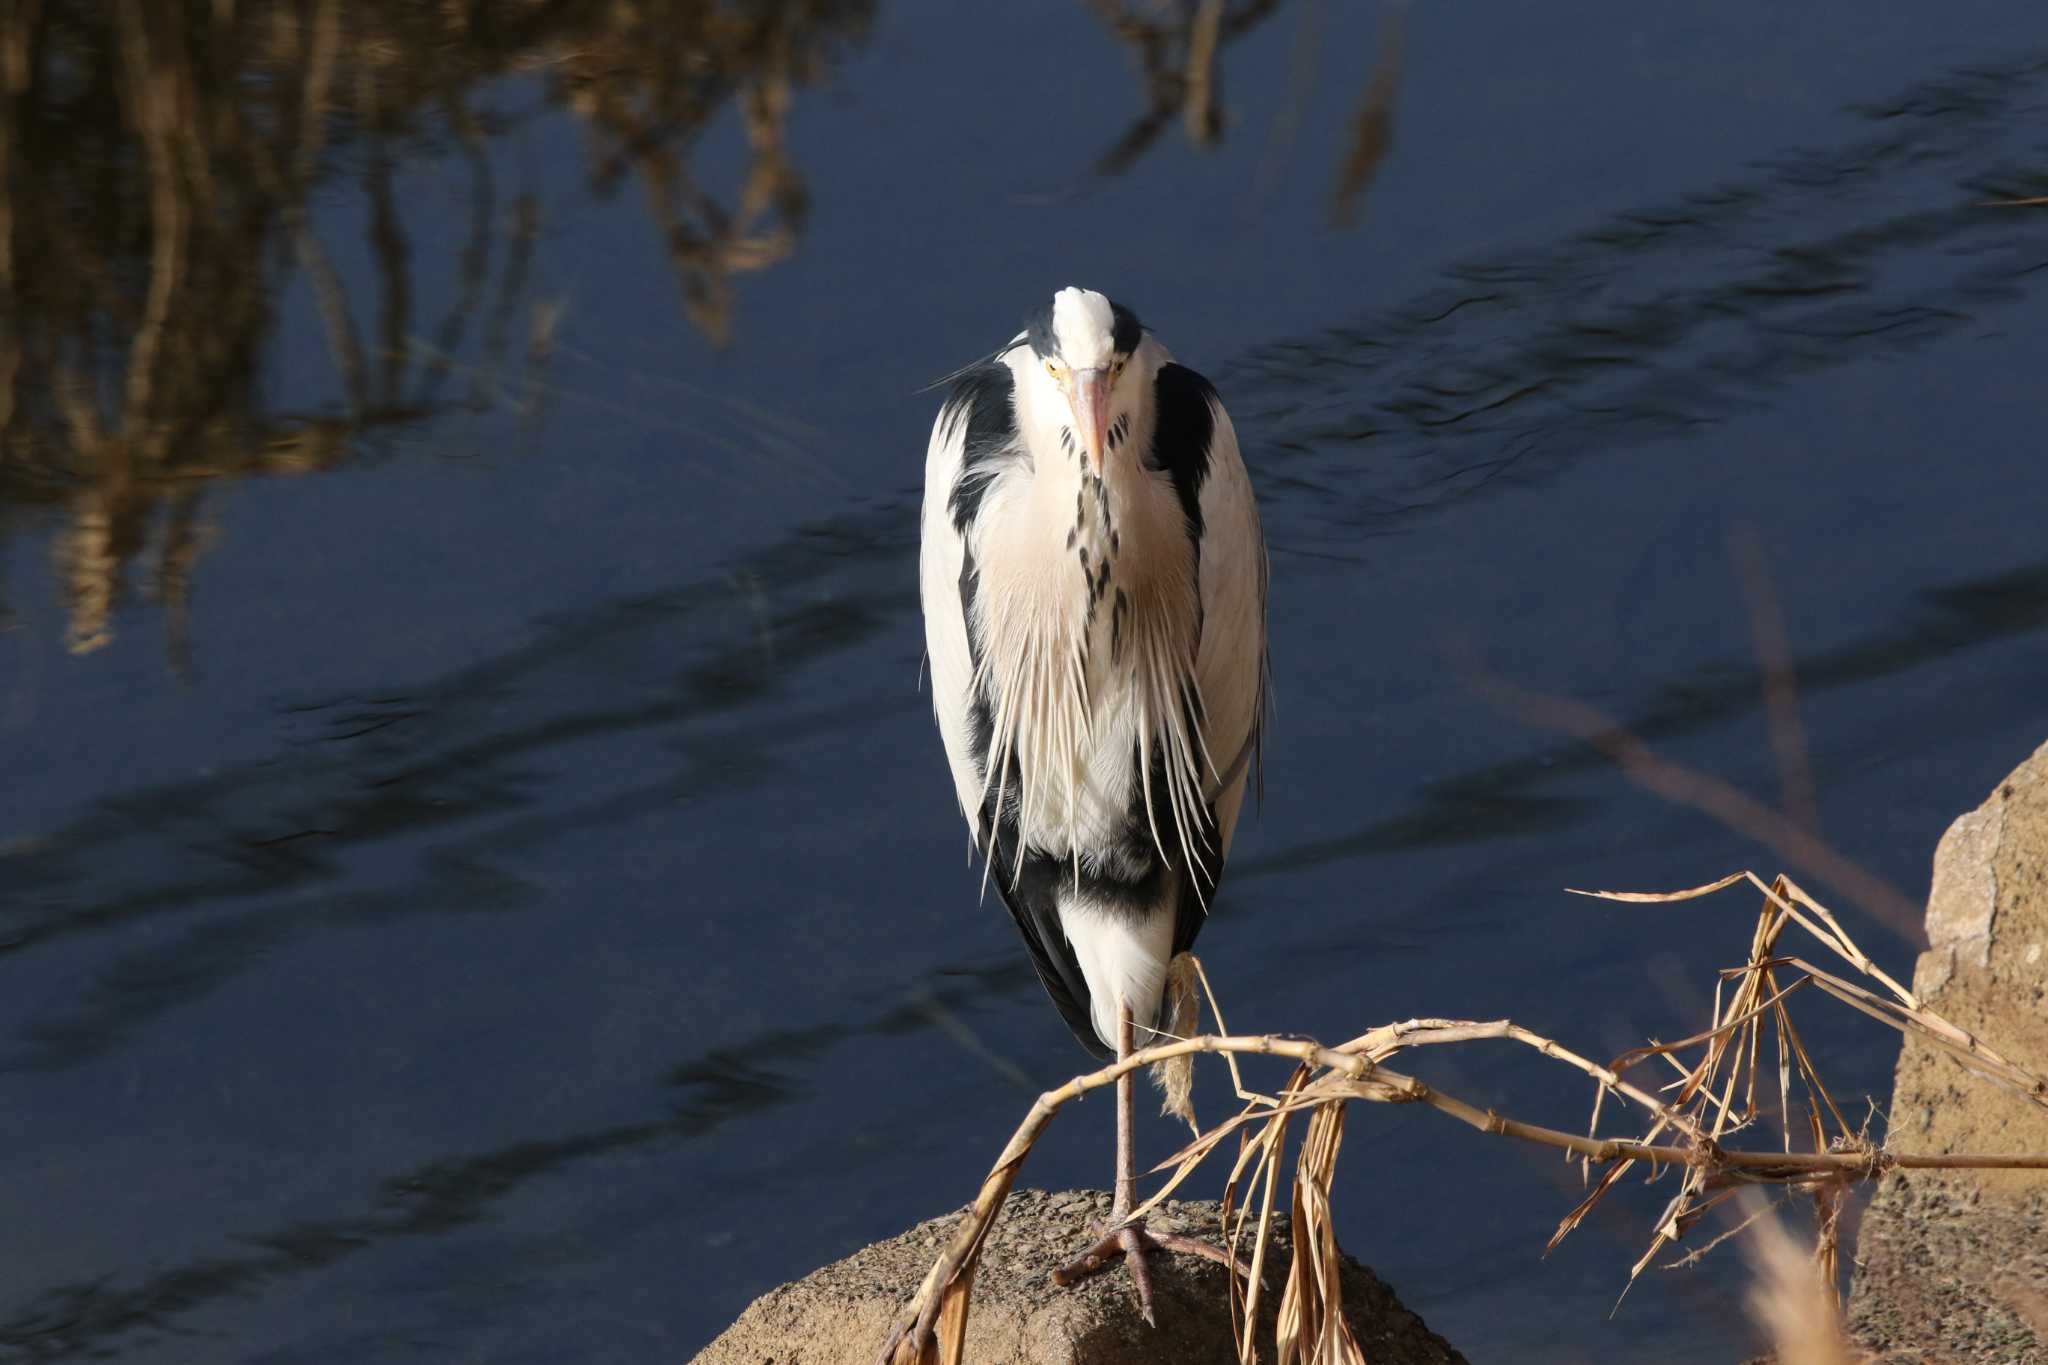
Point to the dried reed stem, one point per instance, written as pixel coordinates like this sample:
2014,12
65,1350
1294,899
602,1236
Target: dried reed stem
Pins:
1351,1075
1716,1099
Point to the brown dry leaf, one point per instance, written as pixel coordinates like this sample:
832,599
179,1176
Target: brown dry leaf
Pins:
1270,1144
1661,897
1312,1329
949,1334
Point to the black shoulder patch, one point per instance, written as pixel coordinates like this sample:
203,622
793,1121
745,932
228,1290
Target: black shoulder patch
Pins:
1128,330
1038,331
1181,434
981,398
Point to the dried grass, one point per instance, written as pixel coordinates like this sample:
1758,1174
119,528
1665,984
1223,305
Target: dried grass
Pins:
1750,1045
1791,1297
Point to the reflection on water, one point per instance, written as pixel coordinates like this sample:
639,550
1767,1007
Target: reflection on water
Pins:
651,76
158,160
1179,48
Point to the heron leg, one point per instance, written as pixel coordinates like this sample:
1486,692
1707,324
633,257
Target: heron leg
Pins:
1131,1243
1132,1239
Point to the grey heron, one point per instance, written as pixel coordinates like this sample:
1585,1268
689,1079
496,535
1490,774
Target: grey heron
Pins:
1094,586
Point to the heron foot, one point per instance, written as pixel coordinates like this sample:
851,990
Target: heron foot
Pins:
1133,1244
1128,1244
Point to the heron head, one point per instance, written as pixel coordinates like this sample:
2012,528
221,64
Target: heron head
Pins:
1084,342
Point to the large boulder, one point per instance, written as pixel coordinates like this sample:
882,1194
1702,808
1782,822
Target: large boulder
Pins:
841,1314
1952,1266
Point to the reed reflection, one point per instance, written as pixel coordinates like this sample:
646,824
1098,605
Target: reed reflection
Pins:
160,164
158,160
1180,46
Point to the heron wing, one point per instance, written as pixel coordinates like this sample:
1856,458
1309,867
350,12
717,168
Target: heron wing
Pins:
1231,661
973,426
1196,445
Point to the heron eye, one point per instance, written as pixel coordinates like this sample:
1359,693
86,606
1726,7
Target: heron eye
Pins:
1116,371
1052,367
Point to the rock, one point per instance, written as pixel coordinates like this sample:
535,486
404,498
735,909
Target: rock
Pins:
1952,1266
841,1314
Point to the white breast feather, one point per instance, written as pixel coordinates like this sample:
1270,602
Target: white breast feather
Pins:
1075,696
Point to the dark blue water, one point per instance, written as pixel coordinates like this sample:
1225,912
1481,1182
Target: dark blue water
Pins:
479,877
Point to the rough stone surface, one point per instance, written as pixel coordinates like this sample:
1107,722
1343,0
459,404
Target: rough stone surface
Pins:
1953,1266
841,1314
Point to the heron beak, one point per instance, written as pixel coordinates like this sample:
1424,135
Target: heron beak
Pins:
1089,397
